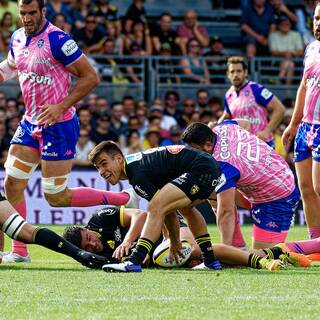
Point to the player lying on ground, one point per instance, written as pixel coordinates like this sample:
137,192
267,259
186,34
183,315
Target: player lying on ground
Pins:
112,232
14,226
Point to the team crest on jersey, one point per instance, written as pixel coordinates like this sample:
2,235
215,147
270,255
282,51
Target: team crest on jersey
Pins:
194,189
174,149
26,52
247,93
40,43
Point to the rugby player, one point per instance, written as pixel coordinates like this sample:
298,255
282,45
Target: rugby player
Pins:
44,58
253,168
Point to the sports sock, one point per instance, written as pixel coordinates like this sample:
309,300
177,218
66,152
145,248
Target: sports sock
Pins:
304,246
141,250
49,239
314,232
254,261
273,253
205,244
17,246
237,238
86,197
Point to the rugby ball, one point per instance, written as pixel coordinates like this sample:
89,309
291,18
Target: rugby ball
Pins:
161,254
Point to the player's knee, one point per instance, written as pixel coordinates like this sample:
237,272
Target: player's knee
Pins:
55,191
317,189
307,190
19,169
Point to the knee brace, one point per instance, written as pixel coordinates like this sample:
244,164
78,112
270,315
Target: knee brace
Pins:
13,225
18,168
54,185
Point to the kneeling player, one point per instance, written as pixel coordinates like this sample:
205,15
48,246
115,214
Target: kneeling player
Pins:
14,226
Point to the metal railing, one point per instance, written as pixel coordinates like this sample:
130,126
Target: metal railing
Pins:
153,75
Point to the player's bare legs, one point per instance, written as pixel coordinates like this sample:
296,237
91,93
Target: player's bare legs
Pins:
21,162
310,199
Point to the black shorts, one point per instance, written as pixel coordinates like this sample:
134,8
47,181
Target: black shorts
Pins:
199,182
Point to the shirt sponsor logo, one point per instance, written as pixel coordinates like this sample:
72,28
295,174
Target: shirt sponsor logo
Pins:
133,157
224,147
43,61
219,183
69,48
140,191
265,93
35,78
107,211
49,154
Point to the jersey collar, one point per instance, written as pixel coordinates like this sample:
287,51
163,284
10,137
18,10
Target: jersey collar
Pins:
243,86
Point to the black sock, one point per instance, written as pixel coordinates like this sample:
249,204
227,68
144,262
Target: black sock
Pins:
254,261
204,242
49,239
273,253
141,250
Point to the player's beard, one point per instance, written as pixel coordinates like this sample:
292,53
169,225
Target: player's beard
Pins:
316,34
35,27
238,83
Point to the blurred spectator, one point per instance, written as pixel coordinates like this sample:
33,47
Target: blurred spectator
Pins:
141,104
305,20
194,66
129,108
139,35
205,116
142,115
164,33
167,67
117,125
118,40
80,10
280,9
3,100
175,137
12,107
257,22
85,118
83,147
90,38
59,20
91,101
216,60
106,14
134,66
158,101
187,112
6,25
152,139
155,122
53,7
166,121
134,123
190,29
171,101
12,124
103,131
10,6
133,143
216,107
102,106
202,98
135,13
4,143
286,43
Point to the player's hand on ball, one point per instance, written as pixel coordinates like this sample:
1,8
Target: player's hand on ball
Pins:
122,250
175,252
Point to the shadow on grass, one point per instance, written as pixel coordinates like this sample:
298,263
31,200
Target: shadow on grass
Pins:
34,268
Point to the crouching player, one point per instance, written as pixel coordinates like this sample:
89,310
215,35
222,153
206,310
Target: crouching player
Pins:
113,231
14,226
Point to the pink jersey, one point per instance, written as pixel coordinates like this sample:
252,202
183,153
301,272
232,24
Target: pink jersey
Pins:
249,102
250,165
311,75
41,63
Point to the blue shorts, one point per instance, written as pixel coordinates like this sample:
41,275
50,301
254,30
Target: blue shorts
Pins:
307,142
276,215
56,142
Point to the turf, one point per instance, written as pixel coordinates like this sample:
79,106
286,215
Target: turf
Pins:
55,287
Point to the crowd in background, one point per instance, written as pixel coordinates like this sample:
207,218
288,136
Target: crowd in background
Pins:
268,27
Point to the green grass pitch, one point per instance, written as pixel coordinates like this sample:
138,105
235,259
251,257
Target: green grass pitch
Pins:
55,287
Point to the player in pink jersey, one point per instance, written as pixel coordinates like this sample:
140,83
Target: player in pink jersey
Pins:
44,58
305,126
249,100
257,171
